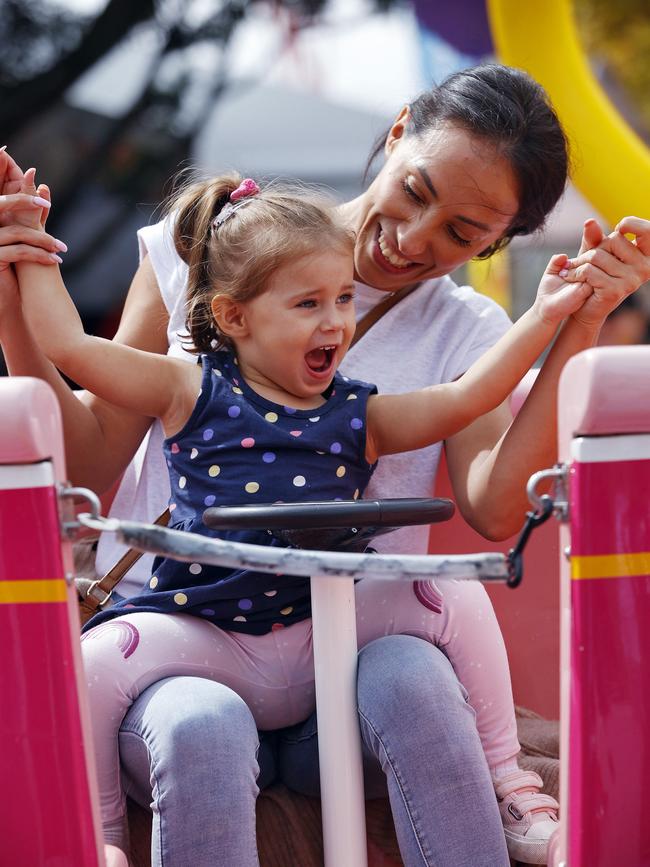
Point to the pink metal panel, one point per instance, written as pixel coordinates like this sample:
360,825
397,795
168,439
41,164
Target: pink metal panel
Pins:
30,424
604,391
605,605
48,814
610,665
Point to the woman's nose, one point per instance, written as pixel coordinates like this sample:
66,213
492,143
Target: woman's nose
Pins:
413,238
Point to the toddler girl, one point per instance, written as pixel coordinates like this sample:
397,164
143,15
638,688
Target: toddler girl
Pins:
264,416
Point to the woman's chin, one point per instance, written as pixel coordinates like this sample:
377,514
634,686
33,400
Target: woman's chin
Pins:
371,274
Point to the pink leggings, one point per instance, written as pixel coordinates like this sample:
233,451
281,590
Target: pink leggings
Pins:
274,673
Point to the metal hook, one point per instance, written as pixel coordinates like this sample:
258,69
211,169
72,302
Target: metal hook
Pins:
559,500
70,524
516,554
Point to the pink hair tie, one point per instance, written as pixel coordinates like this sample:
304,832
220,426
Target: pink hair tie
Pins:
248,187
238,199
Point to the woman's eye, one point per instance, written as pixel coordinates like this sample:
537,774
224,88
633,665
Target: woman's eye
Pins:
456,238
410,192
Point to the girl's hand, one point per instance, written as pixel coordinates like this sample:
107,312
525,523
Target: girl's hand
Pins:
23,211
556,297
614,266
13,195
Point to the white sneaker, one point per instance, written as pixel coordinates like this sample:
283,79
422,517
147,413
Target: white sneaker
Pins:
529,817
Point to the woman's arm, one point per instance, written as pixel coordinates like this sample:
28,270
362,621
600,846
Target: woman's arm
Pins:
100,438
143,325
491,461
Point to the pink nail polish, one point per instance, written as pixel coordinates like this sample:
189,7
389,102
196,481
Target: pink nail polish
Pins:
41,202
563,273
56,258
60,245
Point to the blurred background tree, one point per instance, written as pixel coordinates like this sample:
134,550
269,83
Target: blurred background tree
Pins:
101,164
617,38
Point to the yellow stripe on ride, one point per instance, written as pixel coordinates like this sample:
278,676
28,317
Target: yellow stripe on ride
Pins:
611,566
49,590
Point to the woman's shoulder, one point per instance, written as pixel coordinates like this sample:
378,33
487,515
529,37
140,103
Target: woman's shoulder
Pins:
157,242
446,293
431,299
158,239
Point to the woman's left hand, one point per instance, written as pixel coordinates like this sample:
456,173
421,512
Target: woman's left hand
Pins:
613,266
20,243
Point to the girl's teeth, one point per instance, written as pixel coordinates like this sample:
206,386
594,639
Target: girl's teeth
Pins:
395,260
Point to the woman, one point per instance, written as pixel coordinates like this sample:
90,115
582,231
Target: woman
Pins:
468,166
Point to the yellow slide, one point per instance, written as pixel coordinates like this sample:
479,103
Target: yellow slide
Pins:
611,163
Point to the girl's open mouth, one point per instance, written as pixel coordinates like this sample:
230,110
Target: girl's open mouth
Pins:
320,361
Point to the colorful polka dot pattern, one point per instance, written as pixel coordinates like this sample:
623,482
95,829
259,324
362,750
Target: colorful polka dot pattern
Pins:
241,448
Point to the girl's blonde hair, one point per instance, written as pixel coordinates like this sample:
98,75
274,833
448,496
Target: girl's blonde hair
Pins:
236,257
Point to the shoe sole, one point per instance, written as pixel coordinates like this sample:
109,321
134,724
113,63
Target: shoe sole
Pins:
527,851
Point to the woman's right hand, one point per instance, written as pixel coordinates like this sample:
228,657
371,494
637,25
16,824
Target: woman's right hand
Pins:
22,243
614,266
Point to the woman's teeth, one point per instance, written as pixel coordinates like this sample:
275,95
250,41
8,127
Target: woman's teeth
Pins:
395,260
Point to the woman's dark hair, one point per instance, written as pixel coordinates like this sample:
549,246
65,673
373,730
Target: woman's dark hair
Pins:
508,109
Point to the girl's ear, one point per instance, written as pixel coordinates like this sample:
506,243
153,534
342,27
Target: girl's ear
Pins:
397,130
229,316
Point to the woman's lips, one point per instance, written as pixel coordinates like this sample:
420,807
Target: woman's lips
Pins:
381,250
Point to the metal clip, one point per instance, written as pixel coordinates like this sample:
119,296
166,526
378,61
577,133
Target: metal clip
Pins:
516,554
560,496
69,522
101,596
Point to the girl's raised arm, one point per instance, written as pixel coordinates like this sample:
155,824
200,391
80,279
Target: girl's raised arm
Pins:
100,437
437,412
135,380
131,378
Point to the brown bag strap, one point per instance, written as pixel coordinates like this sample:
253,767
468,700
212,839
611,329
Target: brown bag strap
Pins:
374,315
99,591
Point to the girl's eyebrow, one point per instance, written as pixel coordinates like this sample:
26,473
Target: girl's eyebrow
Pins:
429,184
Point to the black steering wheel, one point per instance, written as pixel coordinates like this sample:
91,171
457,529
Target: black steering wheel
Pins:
331,525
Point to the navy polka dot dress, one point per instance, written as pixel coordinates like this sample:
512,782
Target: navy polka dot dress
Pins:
236,448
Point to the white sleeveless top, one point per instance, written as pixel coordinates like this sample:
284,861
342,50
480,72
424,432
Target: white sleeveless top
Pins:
433,335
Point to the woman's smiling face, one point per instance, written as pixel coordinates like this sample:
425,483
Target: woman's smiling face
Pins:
439,200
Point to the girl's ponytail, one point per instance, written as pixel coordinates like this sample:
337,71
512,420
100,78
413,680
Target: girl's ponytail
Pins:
194,211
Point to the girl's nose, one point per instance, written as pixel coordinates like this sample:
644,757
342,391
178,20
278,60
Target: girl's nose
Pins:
333,319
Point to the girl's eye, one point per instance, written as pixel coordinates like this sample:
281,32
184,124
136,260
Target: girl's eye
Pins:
308,302
410,192
456,238
346,298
